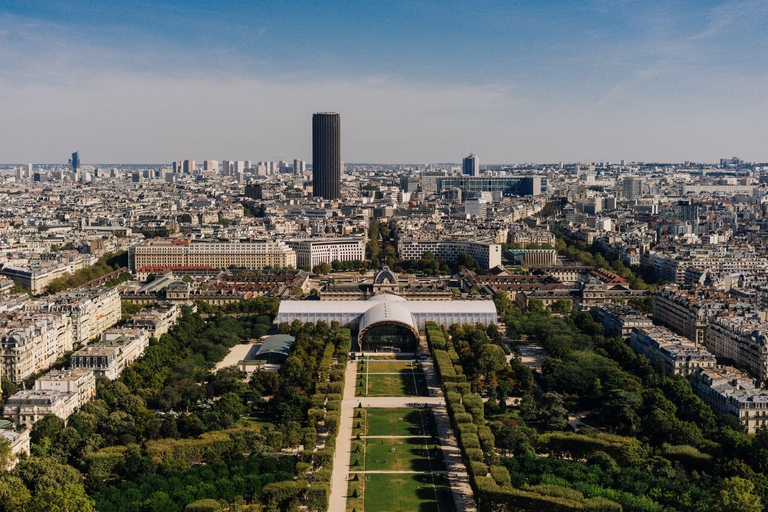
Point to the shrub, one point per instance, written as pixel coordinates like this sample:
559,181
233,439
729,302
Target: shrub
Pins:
501,476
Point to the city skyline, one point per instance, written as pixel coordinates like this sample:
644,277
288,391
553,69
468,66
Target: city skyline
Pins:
414,81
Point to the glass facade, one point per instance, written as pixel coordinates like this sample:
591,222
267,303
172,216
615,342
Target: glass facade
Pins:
388,337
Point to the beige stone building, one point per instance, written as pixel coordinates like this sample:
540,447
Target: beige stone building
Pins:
252,254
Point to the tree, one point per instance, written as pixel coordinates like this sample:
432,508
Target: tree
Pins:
736,496
552,412
562,306
6,455
14,495
48,427
491,359
69,498
620,409
7,386
535,305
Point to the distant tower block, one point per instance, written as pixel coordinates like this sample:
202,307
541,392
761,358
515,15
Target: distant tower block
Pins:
326,155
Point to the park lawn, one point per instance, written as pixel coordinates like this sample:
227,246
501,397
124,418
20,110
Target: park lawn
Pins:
396,384
398,422
354,456
410,455
359,424
406,493
360,384
391,366
355,504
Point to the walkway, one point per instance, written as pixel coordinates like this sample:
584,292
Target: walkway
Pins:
340,475
237,354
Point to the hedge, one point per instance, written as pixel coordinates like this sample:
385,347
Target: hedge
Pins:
474,454
207,505
462,418
501,476
478,468
470,442
318,496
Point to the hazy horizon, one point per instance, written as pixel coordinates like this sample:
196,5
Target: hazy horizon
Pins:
413,81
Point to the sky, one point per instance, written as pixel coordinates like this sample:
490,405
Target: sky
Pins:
414,81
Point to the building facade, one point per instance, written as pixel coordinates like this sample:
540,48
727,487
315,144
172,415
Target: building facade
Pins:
314,251
219,254
487,255
680,356
326,155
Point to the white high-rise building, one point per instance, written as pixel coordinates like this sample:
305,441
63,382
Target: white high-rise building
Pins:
299,167
211,166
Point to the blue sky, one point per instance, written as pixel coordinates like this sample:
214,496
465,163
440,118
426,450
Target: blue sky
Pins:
414,81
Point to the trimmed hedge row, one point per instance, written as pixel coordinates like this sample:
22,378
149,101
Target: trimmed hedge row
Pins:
327,406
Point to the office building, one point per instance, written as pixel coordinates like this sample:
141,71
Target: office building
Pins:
326,155
189,166
253,254
471,165
632,187
299,167
211,166
314,251
499,185
74,162
487,255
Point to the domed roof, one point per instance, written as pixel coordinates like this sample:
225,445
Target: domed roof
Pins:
385,275
388,312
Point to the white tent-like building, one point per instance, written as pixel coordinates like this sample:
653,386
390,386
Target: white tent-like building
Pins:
389,321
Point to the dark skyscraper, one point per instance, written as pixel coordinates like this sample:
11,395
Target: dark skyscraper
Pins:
326,155
75,161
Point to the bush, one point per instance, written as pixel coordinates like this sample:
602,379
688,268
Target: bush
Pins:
478,468
501,476
462,418
474,454
206,505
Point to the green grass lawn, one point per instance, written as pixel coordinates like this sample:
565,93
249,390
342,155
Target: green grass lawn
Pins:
398,422
410,455
400,493
391,366
393,384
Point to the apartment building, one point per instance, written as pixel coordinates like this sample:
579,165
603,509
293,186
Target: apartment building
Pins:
157,320
26,407
742,339
252,254
81,382
314,251
619,320
19,444
91,311
728,390
116,350
32,342
680,356
487,255
531,236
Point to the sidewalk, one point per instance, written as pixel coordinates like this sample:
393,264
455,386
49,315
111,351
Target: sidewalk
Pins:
340,474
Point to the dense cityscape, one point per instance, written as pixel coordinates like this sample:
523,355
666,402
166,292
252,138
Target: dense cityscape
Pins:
409,256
